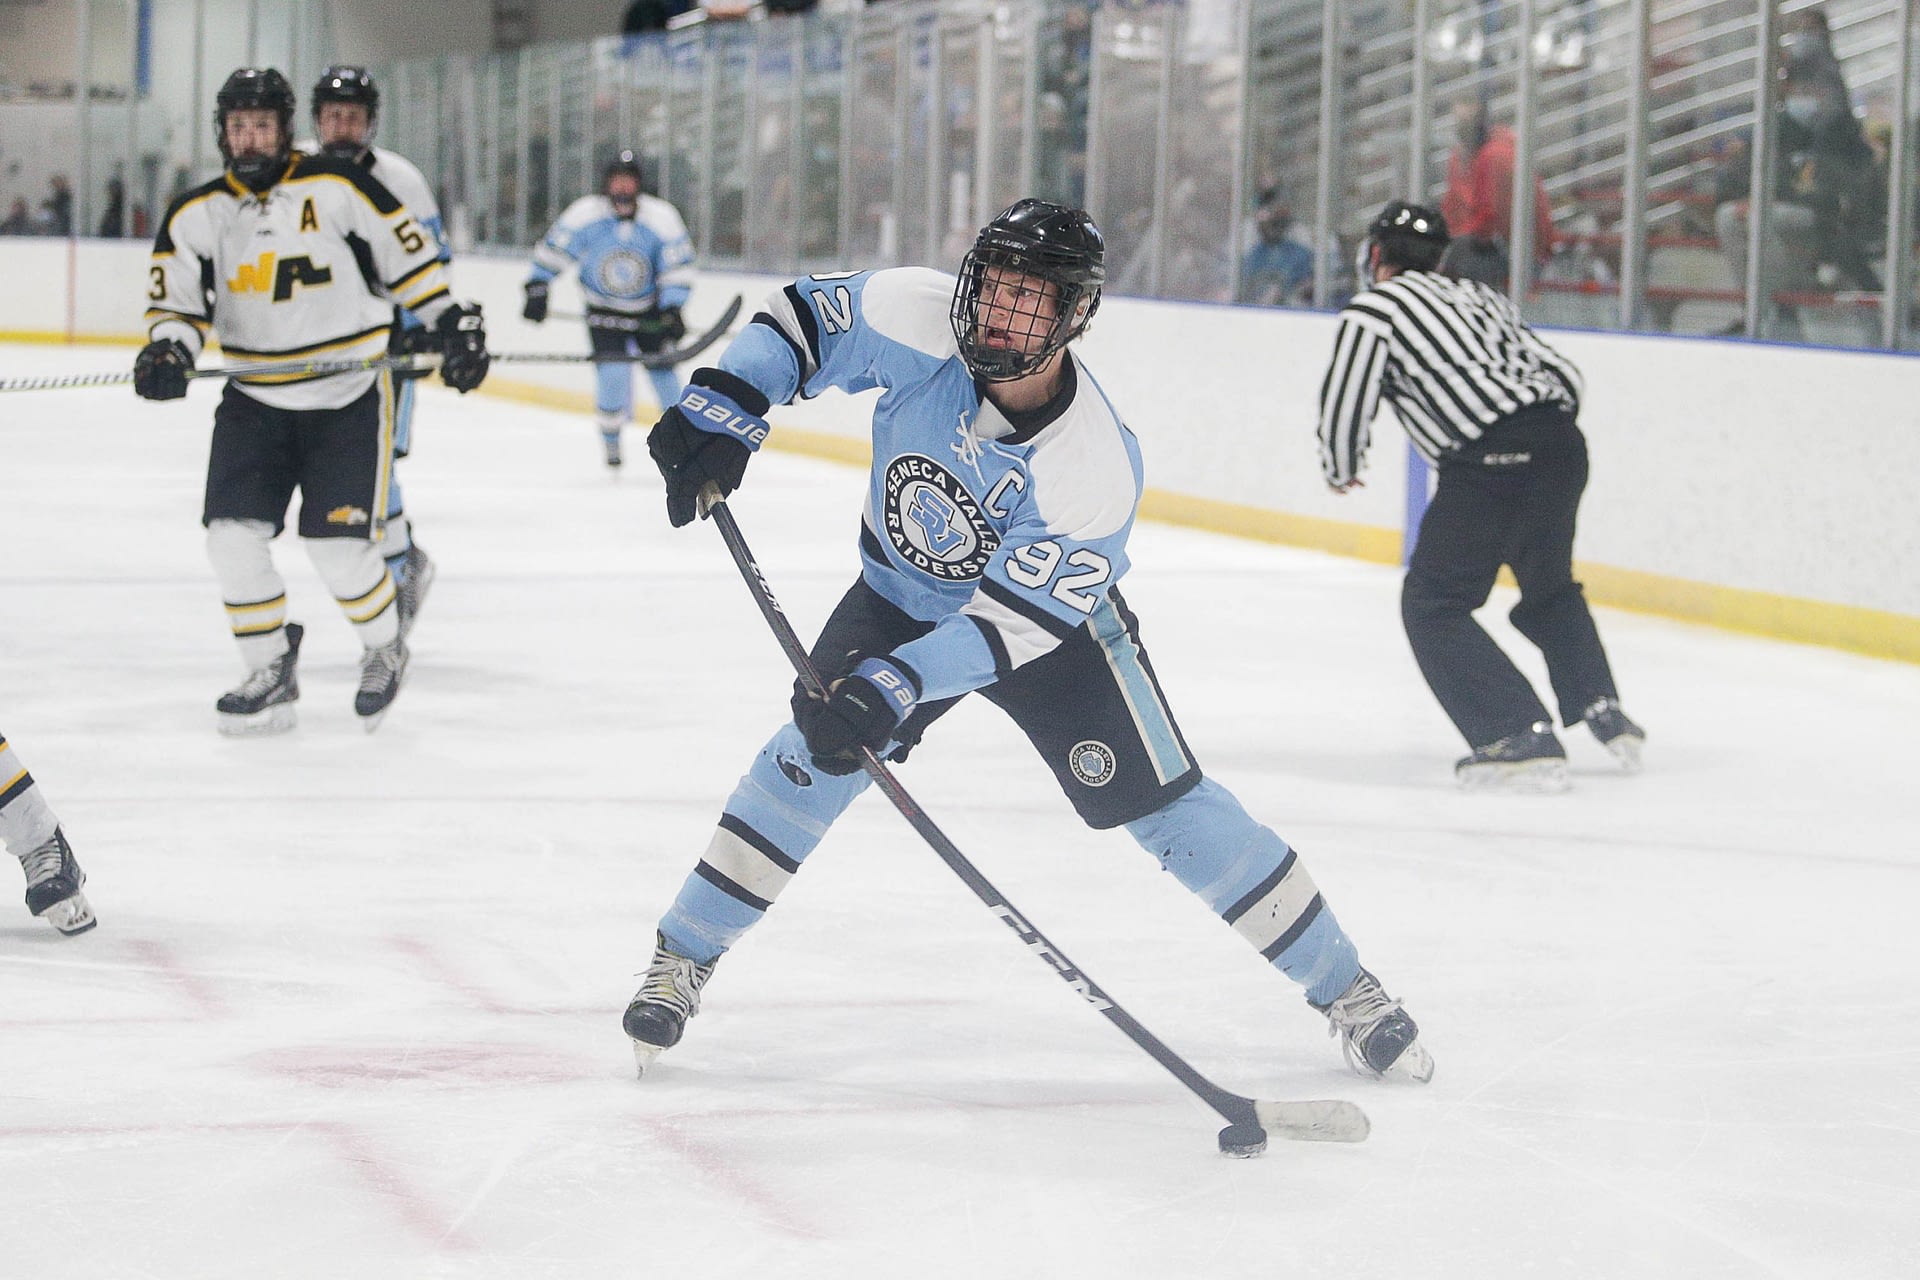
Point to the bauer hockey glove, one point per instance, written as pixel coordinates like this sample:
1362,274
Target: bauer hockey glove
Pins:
160,370
707,438
463,347
535,308
862,709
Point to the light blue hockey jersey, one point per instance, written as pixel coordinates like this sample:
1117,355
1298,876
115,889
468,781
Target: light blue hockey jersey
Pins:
1007,535
626,264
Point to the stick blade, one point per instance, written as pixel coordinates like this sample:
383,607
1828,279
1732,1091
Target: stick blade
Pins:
1331,1120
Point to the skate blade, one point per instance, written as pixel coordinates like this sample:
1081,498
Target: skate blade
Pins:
278,718
71,915
372,722
643,1055
1516,777
1413,1066
1626,749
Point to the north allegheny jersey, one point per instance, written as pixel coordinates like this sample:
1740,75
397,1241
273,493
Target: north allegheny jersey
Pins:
303,271
1007,535
626,264
1451,356
409,186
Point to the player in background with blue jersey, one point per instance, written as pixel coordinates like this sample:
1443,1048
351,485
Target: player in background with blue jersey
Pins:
346,110
636,270
1003,489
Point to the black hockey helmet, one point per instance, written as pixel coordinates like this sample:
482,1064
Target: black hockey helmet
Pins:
1058,244
257,89
343,83
626,163
1409,235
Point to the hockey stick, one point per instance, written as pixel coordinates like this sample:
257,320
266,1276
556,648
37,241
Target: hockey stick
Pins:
686,351
1249,1120
314,368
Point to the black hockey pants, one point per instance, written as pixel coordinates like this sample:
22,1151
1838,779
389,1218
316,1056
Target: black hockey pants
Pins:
1511,498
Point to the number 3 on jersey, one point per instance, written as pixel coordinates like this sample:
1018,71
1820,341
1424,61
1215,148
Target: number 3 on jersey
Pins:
1035,564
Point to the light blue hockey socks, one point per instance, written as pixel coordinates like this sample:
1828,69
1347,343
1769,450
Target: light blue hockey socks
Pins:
773,820
1253,881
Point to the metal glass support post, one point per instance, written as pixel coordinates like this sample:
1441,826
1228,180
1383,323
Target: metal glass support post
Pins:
80,210
1520,254
1171,17
1332,73
986,143
200,94
1898,295
523,144
1760,175
850,76
751,208
1242,157
1029,177
1420,105
1633,225
937,150
1094,131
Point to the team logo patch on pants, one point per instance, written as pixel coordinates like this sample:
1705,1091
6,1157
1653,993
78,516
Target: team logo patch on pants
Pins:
347,515
1092,763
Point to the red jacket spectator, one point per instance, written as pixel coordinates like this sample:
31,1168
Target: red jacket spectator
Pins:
1479,200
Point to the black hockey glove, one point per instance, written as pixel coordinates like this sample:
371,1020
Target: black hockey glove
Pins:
862,709
160,370
463,347
536,304
661,328
707,438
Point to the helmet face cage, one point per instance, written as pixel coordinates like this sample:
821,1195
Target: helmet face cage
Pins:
626,163
1053,309
255,89
1055,259
354,86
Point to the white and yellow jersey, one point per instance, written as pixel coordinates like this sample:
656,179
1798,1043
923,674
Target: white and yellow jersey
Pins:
303,271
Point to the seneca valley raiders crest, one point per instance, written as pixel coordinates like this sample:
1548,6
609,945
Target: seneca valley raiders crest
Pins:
934,522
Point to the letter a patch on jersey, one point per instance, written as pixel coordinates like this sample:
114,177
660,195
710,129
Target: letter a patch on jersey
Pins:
309,220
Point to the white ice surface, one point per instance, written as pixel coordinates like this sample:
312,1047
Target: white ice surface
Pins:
353,1007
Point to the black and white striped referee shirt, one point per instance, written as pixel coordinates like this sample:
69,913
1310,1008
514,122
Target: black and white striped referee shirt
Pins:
1451,356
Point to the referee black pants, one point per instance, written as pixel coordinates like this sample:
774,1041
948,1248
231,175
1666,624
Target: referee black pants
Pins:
1509,499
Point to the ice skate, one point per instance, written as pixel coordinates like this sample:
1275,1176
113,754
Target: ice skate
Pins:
1377,1036
380,672
1616,733
611,441
54,881
263,703
415,576
668,996
1530,761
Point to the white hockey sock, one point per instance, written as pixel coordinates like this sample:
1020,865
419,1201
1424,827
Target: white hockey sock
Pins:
26,822
255,594
353,570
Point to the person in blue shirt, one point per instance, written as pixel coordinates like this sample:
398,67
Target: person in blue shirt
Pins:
1003,489
636,270
1278,270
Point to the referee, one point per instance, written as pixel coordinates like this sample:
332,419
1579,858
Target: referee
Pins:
1493,409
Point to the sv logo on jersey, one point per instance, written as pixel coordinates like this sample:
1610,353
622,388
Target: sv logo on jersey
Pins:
934,523
1039,946
270,273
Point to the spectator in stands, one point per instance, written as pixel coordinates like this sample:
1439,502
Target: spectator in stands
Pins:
1828,193
113,222
59,206
18,222
1278,269
1478,204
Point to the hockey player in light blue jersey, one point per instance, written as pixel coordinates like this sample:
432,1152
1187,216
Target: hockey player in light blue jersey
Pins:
636,270
1003,489
346,109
